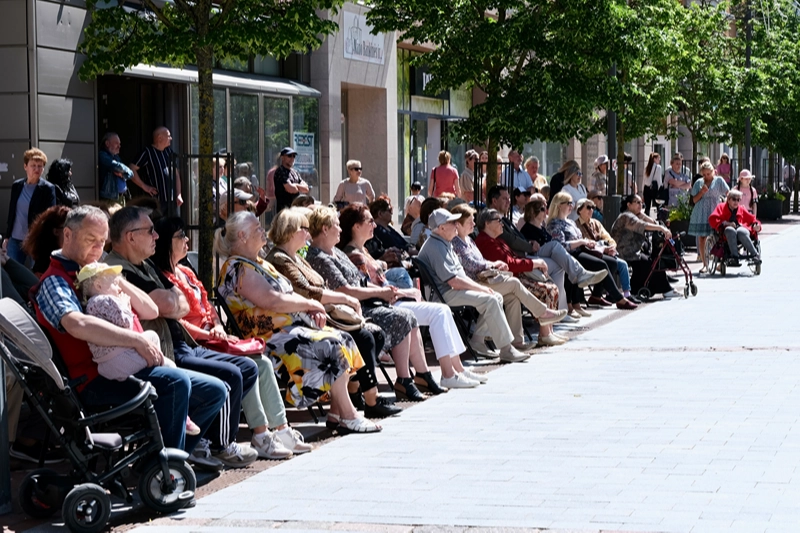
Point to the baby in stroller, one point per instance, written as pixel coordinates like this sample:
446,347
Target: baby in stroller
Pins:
99,283
739,227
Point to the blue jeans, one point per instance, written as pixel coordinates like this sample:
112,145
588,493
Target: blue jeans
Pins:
624,274
15,251
181,393
398,277
238,373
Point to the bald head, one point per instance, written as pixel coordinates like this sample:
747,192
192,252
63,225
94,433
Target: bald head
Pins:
162,138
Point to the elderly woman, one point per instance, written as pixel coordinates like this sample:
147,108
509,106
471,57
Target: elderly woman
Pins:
514,293
678,182
399,325
355,189
318,360
706,194
599,178
592,229
573,187
262,406
629,233
749,194
357,228
289,233
30,197
565,231
444,178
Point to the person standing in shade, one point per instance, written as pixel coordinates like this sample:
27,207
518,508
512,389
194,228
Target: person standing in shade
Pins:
30,196
60,175
152,168
355,189
288,183
114,175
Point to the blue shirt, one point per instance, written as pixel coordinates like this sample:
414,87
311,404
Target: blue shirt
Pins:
56,298
20,229
518,179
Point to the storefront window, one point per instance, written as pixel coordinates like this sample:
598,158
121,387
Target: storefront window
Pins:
306,139
244,132
551,156
276,129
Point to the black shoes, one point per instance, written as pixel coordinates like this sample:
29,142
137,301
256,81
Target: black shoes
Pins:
425,381
382,408
405,389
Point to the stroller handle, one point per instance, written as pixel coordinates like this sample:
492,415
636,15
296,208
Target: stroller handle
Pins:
147,392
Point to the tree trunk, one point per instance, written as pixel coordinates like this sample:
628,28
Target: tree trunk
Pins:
205,89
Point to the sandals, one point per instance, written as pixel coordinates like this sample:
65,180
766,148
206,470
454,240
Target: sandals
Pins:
703,270
332,421
358,425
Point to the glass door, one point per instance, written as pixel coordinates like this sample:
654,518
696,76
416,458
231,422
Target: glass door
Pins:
419,152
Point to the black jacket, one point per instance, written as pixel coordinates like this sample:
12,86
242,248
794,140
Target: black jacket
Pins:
44,197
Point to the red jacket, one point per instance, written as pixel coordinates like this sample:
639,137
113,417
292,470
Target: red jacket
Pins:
722,213
498,250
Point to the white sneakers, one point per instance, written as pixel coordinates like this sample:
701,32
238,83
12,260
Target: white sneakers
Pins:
509,354
293,441
591,278
459,381
202,459
269,446
483,378
236,455
551,340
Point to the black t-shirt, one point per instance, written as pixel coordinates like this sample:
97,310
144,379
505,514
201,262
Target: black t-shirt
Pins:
556,183
532,233
143,281
281,177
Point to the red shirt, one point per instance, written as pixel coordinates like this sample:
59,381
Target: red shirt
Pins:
443,179
498,250
722,213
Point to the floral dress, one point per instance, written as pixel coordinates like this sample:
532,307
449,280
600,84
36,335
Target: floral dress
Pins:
698,223
339,271
312,358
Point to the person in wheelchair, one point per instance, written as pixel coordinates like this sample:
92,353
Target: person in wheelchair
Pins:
738,226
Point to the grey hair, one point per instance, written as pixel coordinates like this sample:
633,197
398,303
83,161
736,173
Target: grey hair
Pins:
124,219
485,216
735,194
226,238
76,216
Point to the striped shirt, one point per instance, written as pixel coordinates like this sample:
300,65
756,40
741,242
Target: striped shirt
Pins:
154,168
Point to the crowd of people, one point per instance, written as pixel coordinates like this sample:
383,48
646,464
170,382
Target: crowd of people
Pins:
327,294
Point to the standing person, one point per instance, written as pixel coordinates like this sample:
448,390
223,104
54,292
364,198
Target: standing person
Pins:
599,178
59,312
651,181
444,178
532,168
288,183
678,182
30,196
152,168
749,194
60,175
114,175
467,179
573,187
706,194
557,181
517,177
724,168
355,189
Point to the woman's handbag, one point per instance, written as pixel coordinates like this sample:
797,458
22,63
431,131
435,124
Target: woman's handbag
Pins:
254,346
344,317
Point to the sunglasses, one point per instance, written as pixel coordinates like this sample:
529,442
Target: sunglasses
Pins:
150,230
181,235
543,210
356,168
292,155
568,203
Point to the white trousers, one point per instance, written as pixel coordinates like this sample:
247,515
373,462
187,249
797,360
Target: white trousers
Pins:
444,333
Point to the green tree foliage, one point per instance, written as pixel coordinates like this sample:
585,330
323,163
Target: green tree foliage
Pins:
198,33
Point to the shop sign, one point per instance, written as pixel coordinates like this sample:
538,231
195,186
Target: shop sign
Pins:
359,43
304,146
422,78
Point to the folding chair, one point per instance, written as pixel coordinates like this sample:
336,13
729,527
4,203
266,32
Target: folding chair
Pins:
463,315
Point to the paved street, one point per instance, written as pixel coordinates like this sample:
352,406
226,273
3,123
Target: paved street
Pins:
679,417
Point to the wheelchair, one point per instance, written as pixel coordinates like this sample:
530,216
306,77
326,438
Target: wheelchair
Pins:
107,450
720,256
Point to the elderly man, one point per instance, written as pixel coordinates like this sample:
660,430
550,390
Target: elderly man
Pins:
58,310
288,183
738,224
517,177
532,168
114,175
133,240
458,289
152,169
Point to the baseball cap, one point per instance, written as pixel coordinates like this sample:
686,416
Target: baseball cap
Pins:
96,269
288,151
441,216
416,185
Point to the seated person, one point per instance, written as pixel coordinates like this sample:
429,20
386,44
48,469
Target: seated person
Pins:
514,293
412,207
738,224
357,227
419,230
133,240
263,407
521,198
289,236
389,238
629,233
44,237
318,359
561,226
181,393
457,288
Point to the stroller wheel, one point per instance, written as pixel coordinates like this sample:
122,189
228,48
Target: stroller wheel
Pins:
168,497
723,268
86,509
644,294
686,291
693,289
36,498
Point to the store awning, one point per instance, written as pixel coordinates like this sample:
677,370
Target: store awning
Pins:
249,82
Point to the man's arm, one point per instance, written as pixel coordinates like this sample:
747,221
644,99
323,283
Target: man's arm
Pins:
116,167
92,329
152,191
460,283
144,306
171,302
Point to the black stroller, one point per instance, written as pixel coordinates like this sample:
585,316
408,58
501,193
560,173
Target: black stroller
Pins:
666,255
103,457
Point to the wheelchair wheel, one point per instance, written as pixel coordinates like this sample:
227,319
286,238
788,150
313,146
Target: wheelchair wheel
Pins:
757,269
686,292
693,288
723,268
37,499
160,497
86,509
644,294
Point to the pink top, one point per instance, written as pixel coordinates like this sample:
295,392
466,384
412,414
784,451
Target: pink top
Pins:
724,170
443,179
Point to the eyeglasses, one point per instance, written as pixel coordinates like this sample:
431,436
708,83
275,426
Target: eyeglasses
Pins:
181,235
241,202
543,210
568,203
735,200
150,230
579,173
356,168
495,219
304,228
